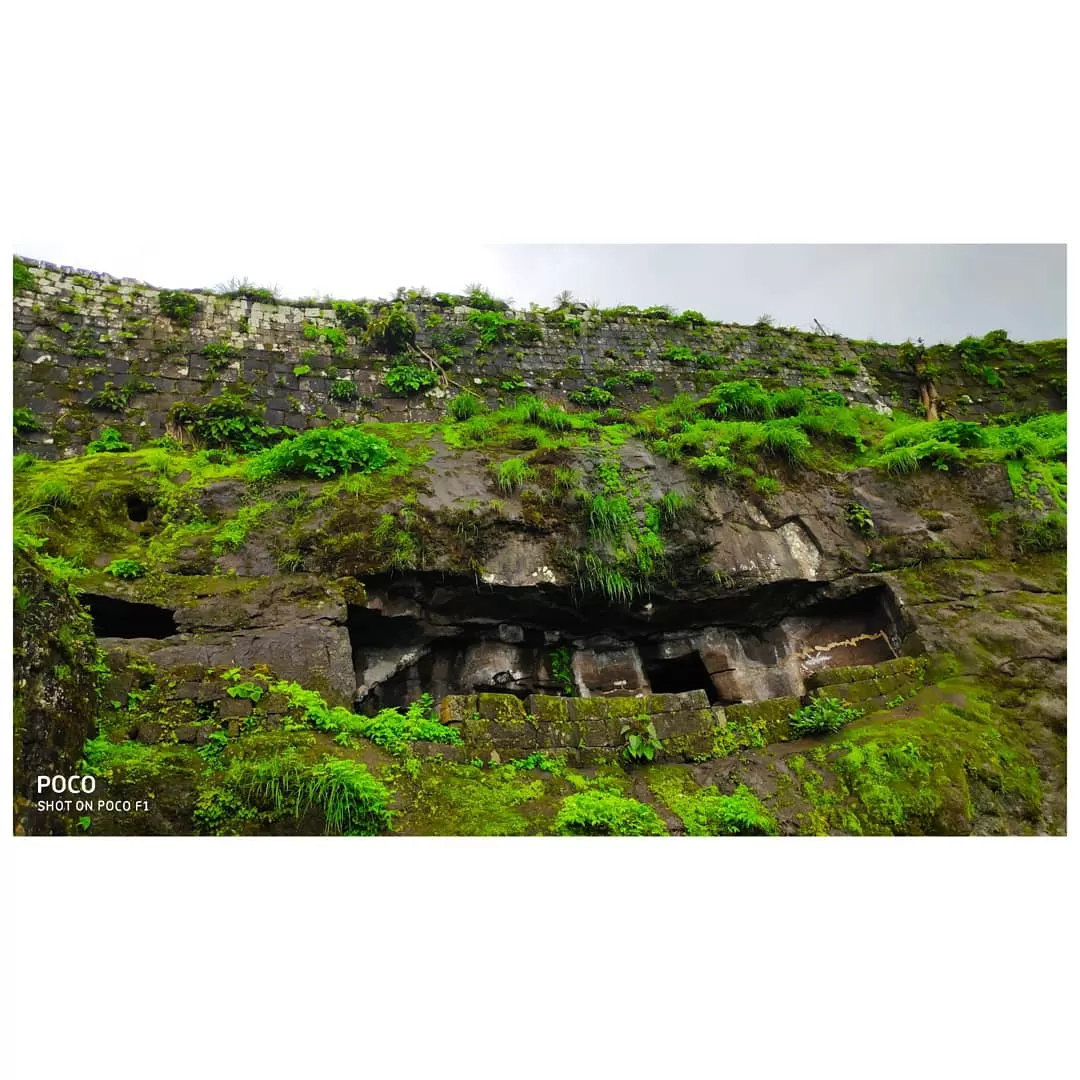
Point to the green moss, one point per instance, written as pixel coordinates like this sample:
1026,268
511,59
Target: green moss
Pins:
705,812
467,800
922,773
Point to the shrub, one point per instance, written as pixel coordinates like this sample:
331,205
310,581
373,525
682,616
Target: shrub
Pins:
406,378
603,813
322,452
391,331
823,716
593,396
331,335
181,307
476,296
125,568
109,442
343,390
690,318
493,327
227,422
243,289
21,276
351,315
219,351
746,399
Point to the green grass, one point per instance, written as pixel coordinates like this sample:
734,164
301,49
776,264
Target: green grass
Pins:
513,474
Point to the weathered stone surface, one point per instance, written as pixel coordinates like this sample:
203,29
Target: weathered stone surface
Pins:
230,707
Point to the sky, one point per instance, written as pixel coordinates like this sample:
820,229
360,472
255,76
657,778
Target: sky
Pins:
890,292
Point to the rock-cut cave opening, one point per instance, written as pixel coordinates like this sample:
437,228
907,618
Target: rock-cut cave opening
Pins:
115,618
678,674
408,646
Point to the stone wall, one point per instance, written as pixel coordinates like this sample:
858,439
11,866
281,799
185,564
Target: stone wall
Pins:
501,727
93,351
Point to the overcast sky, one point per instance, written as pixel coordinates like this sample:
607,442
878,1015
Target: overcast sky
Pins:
940,292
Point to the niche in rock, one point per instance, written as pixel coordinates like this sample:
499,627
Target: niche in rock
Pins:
677,674
115,618
137,509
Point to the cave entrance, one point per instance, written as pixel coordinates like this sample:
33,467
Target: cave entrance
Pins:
115,618
678,674
137,509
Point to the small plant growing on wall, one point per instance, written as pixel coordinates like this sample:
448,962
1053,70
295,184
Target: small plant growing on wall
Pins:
21,276
642,743
181,307
561,670
24,420
406,378
392,331
860,519
109,442
351,315
343,390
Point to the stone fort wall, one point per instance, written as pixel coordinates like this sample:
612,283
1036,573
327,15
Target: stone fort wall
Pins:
94,351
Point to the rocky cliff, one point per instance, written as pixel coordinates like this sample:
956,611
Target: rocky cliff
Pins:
553,571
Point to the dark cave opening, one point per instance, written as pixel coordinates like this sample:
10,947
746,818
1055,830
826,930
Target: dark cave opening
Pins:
115,618
372,628
678,674
137,509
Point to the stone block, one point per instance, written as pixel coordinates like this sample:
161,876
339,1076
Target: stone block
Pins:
229,707
683,722
198,691
443,750
851,692
560,736
187,733
771,719
831,676
149,732
503,708
688,699
591,709
603,732
274,703
548,709
609,670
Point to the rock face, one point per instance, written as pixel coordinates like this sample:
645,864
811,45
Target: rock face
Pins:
57,681
762,593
